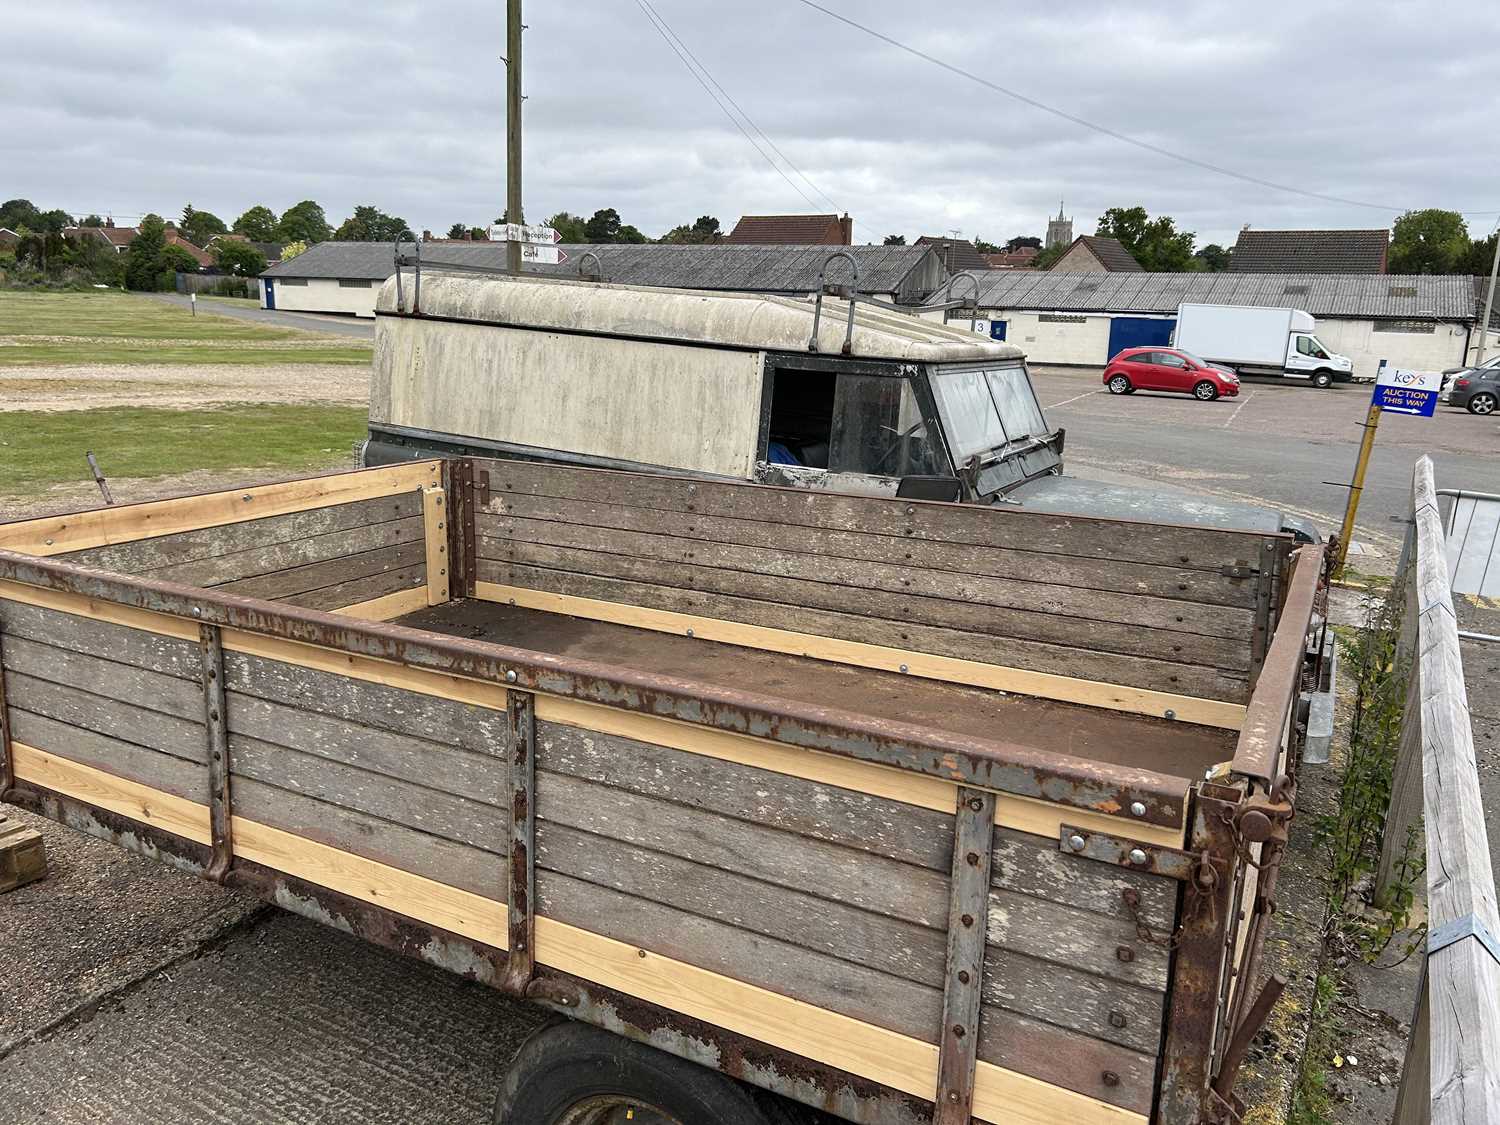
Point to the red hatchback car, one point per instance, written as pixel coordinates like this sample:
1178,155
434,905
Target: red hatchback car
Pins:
1168,369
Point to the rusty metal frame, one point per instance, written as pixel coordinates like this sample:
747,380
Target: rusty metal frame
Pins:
1199,962
520,962
1149,859
462,567
968,914
792,1076
7,763
1008,767
216,727
1257,754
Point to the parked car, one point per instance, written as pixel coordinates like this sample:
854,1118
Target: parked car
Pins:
1477,388
1169,369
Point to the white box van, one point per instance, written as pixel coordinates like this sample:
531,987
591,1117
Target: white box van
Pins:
1260,341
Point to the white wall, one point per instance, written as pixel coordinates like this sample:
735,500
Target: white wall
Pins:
1047,342
1437,350
323,295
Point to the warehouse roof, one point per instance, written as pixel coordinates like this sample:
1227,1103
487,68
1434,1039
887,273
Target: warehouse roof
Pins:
956,253
762,269
1310,251
1378,296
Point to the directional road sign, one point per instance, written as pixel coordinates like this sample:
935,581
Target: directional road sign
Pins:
525,232
1399,391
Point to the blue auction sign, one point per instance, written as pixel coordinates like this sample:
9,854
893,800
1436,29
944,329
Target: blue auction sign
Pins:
1407,392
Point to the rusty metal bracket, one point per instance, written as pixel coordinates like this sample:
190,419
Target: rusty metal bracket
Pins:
7,762
461,500
520,958
968,914
1151,859
220,809
1234,1054
484,488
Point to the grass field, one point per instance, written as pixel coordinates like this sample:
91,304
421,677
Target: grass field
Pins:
107,327
41,448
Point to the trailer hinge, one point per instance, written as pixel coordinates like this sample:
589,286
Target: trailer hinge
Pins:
1240,570
1151,859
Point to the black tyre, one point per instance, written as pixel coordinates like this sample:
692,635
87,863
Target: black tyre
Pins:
570,1073
1322,379
1205,391
1119,385
1483,403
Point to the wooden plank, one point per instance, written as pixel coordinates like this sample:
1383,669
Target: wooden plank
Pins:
1024,1045
1019,601
332,598
215,555
179,776
784,602
1194,548
388,799
125,523
435,536
97,609
23,855
182,738
387,607
284,585
855,543
119,643
125,683
1042,685
882,1056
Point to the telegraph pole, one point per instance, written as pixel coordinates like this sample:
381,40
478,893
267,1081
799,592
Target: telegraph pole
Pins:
1489,303
513,130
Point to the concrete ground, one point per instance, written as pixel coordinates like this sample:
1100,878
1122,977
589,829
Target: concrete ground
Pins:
277,318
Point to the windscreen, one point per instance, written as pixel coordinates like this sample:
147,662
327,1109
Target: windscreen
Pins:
878,429
984,409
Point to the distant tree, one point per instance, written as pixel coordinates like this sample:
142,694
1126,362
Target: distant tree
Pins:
257,224
143,266
198,227
894,240
305,221
1479,258
704,229
1429,241
239,258
1020,240
479,234
19,214
176,259
457,230
1045,259
54,222
1156,243
605,226
570,226
1212,258
370,224
292,249
91,221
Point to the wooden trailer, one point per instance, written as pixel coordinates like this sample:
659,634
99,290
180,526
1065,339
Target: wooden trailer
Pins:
906,811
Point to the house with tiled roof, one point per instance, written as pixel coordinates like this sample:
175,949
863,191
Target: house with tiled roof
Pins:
957,254
1021,258
1096,253
793,230
1310,251
121,237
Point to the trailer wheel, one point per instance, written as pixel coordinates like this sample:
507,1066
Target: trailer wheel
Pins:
570,1073
1322,378
1205,391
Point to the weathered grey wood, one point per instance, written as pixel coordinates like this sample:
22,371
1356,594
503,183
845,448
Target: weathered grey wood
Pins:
433,765
1034,597
434,857
828,813
359,701
1400,843
1030,1046
1189,547
176,775
360,589
1186,679
792,595
338,571
125,682
241,547
856,543
182,738
1414,1096
1463,978
276,557
969,888
119,643
399,802
1069,998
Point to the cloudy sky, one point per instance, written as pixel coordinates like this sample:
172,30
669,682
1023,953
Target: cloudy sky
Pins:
127,106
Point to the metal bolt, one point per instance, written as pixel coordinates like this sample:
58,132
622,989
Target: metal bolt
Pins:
197,612
510,676
247,498
958,1031
1124,953
1170,714
690,632
1116,1019
438,500
972,859
963,976
1137,808
440,525
1077,843
640,953
953,1095
976,803
903,667
213,716
213,673
1137,857
48,542
1110,1078
967,920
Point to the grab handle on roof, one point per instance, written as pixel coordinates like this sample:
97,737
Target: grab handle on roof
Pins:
414,260
973,301
812,343
598,274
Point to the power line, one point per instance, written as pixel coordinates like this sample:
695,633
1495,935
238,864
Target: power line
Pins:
1104,129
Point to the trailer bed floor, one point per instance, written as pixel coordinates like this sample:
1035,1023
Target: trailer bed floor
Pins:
1177,749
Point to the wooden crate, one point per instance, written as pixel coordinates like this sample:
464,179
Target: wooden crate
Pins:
23,855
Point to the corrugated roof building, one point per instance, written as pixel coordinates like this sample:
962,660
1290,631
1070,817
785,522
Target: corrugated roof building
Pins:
1310,251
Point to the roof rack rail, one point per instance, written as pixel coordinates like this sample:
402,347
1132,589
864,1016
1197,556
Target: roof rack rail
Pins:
812,342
